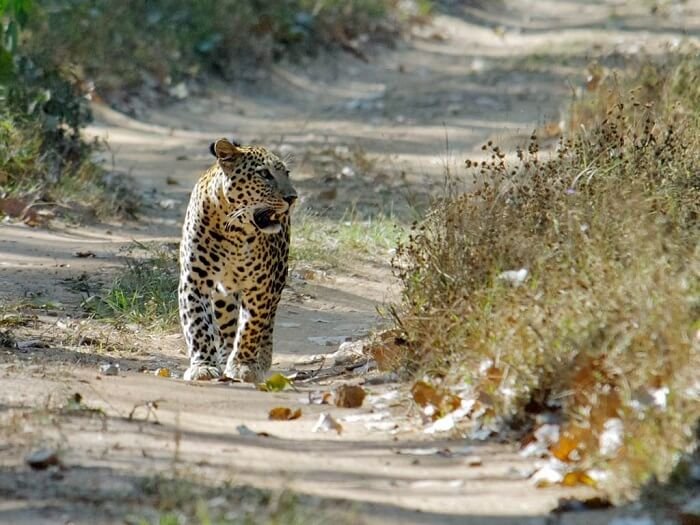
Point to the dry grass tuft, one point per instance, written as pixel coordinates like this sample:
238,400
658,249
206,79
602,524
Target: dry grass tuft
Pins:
575,277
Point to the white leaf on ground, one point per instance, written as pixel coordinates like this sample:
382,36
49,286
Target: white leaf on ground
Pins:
179,91
612,437
348,352
598,475
650,397
384,398
547,476
550,473
245,431
327,422
381,425
659,395
168,204
514,277
484,366
431,451
109,369
347,171
547,434
444,424
373,416
535,449
448,422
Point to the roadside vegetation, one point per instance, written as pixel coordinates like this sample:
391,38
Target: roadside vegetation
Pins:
144,292
353,238
55,56
45,164
170,42
565,287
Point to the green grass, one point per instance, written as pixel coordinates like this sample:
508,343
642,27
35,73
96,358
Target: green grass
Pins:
179,500
144,292
317,240
608,228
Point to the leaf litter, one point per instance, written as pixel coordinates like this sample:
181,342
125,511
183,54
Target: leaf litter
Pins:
284,414
326,422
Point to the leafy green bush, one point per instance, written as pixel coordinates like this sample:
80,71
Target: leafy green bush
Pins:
123,45
574,280
43,158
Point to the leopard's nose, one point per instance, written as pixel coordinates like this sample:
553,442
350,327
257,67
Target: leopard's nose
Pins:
290,199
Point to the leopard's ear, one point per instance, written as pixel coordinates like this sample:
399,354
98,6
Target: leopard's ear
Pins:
224,149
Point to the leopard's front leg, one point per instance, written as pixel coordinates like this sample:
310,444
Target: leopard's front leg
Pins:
252,354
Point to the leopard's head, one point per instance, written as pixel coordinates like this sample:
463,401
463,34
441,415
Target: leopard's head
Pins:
258,191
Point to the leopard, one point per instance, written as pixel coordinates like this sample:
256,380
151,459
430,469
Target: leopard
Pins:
234,259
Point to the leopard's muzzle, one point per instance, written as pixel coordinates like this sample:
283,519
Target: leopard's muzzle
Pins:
267,220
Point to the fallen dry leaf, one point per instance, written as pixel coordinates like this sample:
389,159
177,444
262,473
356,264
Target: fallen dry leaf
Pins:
36,218
247,432
577,477
386,349
327,422
320,397
349,396
275,383
162,372
42,459
435,403
568,446
13,207
474,461
284,414
425,394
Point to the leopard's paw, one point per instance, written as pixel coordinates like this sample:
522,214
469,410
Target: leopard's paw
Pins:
201,372
244,373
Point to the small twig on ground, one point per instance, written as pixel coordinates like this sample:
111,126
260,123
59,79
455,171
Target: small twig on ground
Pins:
150,406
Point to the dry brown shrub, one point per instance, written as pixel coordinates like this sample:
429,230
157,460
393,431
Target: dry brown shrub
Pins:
608,230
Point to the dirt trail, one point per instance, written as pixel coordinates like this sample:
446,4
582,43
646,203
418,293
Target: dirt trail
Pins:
482,74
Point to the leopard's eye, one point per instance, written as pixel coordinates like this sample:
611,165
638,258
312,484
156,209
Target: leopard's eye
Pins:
265,173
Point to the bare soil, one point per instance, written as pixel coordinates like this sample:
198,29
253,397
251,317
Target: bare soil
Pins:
495,72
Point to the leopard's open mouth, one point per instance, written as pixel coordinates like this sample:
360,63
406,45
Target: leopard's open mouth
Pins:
266,220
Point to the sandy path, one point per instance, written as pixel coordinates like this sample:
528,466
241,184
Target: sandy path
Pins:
475,75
